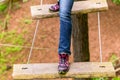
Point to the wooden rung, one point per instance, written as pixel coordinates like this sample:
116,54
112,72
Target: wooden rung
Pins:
87,6
49,70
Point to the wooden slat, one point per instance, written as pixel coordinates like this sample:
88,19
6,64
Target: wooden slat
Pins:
49,70
87,6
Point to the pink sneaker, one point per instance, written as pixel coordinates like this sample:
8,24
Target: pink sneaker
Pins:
63,66
54,8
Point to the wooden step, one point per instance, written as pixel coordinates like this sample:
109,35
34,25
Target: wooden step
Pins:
86,6
49,70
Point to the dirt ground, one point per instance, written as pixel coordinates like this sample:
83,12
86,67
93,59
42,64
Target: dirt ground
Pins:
48,34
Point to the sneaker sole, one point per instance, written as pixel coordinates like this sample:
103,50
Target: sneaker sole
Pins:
53,10
62,72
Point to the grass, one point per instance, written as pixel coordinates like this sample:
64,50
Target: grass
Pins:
25,0
16,5
116,2
116,78
25,21
1,23
6,53
3,7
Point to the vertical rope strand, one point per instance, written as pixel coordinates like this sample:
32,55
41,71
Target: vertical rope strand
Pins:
33,42
100,40
41,3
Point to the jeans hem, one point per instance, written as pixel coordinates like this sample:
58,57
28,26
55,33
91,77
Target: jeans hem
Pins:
64,53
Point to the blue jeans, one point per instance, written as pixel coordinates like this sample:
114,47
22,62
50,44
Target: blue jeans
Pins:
65,26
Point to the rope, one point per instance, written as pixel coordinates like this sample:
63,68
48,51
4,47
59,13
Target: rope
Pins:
99,34
10,45
33,42
41,3
34,37
100,40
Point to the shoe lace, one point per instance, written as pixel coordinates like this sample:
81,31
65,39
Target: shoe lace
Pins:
63,59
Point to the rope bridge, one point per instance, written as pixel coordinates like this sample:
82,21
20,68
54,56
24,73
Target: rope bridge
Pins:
77,69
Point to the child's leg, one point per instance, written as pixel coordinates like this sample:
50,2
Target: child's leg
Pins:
65,35
55,7
65,26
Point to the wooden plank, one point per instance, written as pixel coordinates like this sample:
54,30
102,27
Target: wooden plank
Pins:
49,70
87,6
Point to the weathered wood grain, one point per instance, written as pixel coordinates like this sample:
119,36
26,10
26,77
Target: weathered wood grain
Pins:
49,70
87,6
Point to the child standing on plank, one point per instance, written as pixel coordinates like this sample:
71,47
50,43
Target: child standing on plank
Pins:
64,7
